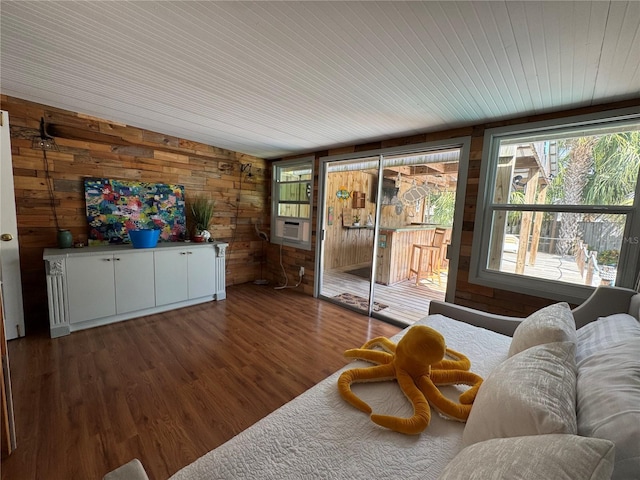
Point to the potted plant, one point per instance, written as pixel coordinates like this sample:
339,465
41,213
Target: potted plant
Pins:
356,220
202,212
608,257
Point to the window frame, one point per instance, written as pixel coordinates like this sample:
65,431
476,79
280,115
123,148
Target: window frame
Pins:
305,162
485,208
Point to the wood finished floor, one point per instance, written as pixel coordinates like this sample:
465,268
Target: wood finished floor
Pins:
168,388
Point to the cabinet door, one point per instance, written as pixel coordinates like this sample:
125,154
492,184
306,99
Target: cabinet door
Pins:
91,288
170,276
202,281
134,276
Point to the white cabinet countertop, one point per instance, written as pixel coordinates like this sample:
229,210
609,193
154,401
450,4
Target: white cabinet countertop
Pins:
126,248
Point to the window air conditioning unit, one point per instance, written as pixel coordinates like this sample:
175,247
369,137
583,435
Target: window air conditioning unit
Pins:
296,230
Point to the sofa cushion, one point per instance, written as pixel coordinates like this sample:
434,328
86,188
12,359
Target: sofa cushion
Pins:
536,457
531,393
604,332
554,323
608,402
129,471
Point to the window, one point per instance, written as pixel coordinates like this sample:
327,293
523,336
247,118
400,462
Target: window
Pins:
557,213
291,211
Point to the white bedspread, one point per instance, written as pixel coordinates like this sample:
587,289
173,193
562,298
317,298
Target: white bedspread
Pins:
318,435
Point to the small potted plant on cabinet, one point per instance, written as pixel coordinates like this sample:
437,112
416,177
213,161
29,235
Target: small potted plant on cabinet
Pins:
202,212
356,219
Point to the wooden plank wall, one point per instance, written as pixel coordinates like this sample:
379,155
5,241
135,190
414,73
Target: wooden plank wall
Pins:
91,147
475,296
346,247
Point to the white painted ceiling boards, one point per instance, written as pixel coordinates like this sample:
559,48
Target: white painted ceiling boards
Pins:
276,78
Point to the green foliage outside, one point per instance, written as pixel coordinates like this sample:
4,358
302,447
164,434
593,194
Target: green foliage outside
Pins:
444,205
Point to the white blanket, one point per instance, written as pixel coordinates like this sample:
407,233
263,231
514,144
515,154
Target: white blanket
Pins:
318,435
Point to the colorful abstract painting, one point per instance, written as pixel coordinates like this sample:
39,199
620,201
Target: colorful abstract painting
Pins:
116,206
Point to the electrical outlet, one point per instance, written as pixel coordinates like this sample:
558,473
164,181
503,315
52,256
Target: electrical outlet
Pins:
301,271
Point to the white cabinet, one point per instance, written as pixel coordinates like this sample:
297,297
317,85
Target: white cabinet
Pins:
133,274
171,276
201,273
91,288
100,285
105,285
184,274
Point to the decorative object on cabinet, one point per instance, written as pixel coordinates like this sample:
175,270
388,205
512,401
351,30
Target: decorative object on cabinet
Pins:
144,238
115,206
106,284
65,239
347,218
356,220
202,212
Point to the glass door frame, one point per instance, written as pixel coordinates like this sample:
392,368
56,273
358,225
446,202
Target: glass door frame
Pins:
462,143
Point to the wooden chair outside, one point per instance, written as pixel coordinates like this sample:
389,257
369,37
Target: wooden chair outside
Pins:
429,258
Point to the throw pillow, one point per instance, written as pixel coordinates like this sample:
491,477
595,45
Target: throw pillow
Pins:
531,393
554,323
604,332
608,402
536,457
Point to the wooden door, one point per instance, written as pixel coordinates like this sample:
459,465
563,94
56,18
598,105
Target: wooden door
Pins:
8,424
9,248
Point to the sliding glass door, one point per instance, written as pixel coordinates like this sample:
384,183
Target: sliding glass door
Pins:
348,226
387,224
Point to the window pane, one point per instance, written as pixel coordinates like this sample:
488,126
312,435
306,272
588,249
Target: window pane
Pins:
294,192
294,210
597,168
293,173
568,247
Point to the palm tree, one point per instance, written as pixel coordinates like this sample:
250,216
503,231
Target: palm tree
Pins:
597,170
580,160
444,206
615,170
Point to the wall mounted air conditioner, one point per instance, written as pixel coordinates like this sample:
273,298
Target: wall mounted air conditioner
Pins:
293,230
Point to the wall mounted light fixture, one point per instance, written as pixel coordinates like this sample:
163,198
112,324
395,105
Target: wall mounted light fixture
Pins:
44,141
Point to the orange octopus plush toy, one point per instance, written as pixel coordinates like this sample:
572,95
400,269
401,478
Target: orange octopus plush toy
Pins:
418,363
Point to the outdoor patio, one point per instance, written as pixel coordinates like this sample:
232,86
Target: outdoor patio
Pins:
550,267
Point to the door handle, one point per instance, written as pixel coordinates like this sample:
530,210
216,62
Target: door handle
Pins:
6,237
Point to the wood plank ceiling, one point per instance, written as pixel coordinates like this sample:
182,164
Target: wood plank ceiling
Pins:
278,78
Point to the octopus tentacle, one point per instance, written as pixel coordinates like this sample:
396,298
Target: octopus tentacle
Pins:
421,411
449,408
381,342
453,377
374,356
356,375
459,362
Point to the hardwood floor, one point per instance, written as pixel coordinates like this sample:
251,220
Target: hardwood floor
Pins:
168,388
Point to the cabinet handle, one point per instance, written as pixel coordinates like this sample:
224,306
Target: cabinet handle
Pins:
117,259
189,253
107,259
183,253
